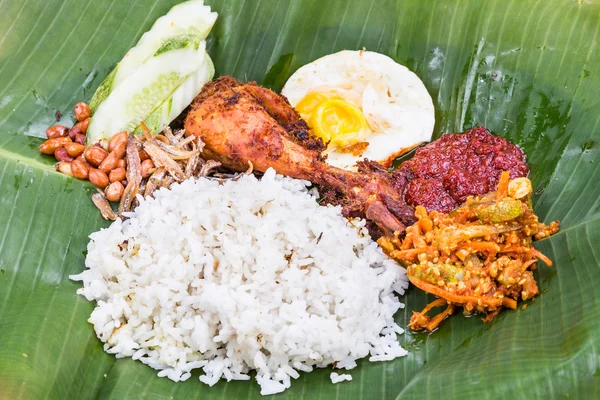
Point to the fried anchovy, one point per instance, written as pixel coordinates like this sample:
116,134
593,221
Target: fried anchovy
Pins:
175,157
192,163
180,133
174,152
208,166
184,143
169,135
155,181
160,158
134,176
168,181
105,209
250,168
161,138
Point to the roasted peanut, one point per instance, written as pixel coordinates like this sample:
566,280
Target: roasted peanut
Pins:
74,149
98,178
51,145
57,131
79,168
82,159
143,155
114,191
117,138
61,155
519,188
82,111
120,150
147,168
109,163
117,174
122,163
80,138
64,167
85,124
95,155
75,130
118,142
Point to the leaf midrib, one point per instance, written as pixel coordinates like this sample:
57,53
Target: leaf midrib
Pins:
33,163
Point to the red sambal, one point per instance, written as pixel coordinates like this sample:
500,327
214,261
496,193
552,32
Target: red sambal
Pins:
445,172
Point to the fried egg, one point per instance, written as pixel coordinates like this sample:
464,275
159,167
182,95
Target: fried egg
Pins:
362,104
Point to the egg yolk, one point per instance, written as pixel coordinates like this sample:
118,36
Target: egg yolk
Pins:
332,119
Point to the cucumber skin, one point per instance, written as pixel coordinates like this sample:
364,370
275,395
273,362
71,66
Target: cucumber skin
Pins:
103,90
179,42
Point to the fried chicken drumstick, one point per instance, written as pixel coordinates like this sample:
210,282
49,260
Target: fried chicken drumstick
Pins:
241,123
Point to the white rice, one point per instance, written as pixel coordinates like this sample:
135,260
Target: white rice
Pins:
242,276
337,378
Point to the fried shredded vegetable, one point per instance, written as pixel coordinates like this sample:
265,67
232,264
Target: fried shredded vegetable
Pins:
479,256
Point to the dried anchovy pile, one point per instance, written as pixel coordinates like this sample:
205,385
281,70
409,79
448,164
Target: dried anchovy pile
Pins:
175,157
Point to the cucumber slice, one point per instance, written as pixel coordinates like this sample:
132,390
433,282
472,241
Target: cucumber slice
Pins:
191,18
184,41
155,81
181,98
103,90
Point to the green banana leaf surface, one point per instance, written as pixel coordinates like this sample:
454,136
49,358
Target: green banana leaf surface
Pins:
528,70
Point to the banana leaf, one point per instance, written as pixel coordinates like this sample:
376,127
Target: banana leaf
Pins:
527,70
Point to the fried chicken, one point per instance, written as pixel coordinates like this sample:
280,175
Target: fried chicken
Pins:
241,123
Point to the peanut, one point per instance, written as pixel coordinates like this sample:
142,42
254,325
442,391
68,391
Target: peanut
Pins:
109,163
147,168
64,167
84,125
82,111
519,188
143,155
61,155
74,149
75,130
121,163
98,178
57,131
95,155
114,191
82,159
79,168
80,138
118,141
51,145
117,174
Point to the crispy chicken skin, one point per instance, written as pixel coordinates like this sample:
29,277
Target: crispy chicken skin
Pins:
240,122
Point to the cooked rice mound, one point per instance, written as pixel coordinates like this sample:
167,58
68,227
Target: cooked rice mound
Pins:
242,275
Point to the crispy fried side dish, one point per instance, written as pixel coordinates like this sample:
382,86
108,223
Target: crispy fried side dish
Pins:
479,256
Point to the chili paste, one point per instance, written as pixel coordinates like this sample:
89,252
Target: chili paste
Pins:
442,174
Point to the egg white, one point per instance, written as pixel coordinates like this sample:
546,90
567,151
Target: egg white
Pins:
394,101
